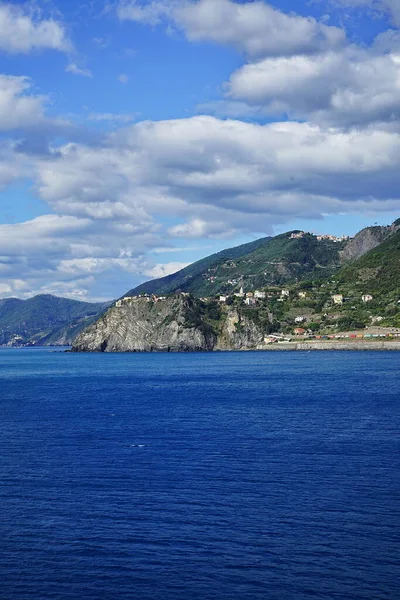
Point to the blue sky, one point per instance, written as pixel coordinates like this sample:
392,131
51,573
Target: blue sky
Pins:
137,136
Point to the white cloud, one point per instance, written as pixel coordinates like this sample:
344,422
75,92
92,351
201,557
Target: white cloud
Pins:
75,70
256,28
216,177
18,109
350,87
20,32
199,228
123,78
211,172
162,270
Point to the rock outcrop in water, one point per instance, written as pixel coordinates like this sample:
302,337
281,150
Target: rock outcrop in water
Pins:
178,323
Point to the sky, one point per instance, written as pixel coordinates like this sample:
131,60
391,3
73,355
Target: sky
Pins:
137,136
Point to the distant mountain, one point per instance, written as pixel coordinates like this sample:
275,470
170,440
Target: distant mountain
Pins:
45,320
288,257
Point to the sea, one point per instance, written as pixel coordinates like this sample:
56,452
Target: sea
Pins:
220,476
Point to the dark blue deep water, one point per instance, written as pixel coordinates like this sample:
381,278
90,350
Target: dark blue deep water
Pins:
232,476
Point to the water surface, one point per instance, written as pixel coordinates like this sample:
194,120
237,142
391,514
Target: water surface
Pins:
224,476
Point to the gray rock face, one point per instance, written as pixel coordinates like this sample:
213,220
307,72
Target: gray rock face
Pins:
145,326
366,240
239,333
171,325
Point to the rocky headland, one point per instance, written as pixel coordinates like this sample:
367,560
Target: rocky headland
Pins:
178,323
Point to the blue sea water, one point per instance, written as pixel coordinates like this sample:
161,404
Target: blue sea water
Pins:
223,476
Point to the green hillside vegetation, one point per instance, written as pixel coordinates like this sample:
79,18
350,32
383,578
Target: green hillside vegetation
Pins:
45,319
270,261
190,278
377,272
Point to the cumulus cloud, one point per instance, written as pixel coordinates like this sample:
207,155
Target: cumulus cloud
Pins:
21,32
256,28
298,68
347,88
18,108
23,113
217,177
232,170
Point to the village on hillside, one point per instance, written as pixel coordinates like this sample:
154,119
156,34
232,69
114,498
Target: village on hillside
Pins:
294,313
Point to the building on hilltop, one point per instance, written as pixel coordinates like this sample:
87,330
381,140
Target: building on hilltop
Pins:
367,298
303,295
298,235
285,293
260,295
332,238
125,300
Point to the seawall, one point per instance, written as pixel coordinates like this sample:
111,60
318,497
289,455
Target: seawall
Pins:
356,345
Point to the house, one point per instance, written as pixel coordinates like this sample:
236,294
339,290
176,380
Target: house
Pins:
337,298
367,298
285,293
299,319
259,295
222,298
249,295
250,301
299,331
302,294
297,235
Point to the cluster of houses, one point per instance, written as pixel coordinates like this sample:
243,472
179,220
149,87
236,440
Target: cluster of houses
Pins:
332,238
145,297
249,298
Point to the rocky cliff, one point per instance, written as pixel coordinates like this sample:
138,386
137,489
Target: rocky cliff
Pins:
367,239
179,323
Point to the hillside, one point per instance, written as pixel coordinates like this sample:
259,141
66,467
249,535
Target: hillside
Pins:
266,262
45,320
306,285
193,275
377,272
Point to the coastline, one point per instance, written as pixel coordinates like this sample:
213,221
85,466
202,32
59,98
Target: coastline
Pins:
332,345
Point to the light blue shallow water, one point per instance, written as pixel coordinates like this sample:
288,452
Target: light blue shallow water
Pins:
231,476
